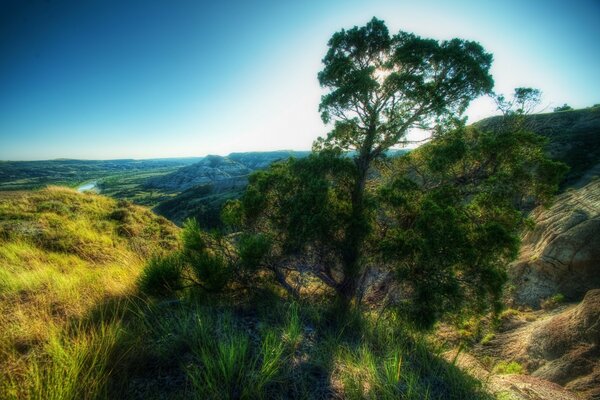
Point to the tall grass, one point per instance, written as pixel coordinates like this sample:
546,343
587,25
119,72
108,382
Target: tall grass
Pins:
61,257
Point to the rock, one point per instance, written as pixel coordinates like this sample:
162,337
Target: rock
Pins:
562,346
513,387
562,253
569,343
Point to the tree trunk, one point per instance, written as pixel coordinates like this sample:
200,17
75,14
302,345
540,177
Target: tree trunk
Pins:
356,234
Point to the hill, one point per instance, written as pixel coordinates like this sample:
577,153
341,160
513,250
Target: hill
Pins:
202,188
218,171
574,138
73,324
63,253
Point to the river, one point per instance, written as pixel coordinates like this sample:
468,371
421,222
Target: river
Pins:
90,186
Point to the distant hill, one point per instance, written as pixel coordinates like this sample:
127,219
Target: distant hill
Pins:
206,185
20,175
218,171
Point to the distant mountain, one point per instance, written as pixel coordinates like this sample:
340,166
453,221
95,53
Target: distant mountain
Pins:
220,172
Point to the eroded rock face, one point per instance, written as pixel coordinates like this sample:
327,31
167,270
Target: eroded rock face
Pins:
562,253
568,346
562,346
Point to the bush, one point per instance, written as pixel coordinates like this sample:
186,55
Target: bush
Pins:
252,250
212,271
162,275
564,107
505,367
553,302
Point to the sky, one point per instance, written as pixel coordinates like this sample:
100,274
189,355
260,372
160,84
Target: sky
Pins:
109,79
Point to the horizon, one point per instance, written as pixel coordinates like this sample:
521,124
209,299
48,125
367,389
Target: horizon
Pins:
113,81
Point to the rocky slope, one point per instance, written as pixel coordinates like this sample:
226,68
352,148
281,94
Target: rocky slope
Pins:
561,346
212,170
559,259
561,255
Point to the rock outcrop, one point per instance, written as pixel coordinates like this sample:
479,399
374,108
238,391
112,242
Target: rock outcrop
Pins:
562,346
562,253
512,386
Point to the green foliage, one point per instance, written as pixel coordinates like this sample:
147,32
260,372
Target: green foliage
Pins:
301,202
451,229
192,237
446,218
253,249
366,70
232,214
162,275
564,107
508,367
379,87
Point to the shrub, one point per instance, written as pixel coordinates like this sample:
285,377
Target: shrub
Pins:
252,250
505,367
553,302
212,271
564,107
162,275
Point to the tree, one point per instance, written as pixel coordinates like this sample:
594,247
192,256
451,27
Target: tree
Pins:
564,107
382,86
451,212
442,222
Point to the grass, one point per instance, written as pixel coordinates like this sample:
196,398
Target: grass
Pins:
61,254
73,324
508,367
553,301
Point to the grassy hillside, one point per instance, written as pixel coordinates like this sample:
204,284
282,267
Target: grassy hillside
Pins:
61,254
73,324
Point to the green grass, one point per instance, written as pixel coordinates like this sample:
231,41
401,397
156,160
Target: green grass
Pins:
508,367
74,325
61,255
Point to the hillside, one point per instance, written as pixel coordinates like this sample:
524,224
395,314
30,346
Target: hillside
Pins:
574,138
62,254
202,188
73,324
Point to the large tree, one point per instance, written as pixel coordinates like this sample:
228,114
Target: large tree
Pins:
379,88
441,222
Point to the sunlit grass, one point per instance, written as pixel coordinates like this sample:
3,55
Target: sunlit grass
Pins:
61,256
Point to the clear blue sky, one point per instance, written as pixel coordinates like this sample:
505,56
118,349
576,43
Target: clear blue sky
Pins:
139,79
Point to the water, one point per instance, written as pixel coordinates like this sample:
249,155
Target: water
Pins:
86,187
